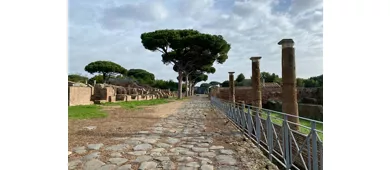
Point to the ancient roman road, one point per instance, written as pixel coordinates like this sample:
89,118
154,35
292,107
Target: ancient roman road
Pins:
195,137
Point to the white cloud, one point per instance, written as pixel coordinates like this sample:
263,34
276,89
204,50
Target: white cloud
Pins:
111,31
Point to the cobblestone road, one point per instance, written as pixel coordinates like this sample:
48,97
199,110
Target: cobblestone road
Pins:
179,141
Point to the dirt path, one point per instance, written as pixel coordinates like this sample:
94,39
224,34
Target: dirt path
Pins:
191,137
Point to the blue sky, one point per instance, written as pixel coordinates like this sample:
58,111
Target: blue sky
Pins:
111,29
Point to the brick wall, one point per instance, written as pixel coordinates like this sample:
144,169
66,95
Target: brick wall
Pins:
79,95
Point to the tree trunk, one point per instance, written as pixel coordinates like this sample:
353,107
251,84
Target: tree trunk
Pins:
104,78
193,89
180,84
190,89
187,85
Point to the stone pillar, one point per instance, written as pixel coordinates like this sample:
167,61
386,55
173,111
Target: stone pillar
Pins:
232,91
289,90
256,85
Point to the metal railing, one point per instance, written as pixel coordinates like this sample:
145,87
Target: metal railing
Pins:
299,147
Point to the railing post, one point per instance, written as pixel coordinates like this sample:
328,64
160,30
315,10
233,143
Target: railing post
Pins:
249,121
286,143
314,145
308,152
270,138
242,116
258,130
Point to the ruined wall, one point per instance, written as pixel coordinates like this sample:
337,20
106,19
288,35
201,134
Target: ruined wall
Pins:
268,93
79,95
311,111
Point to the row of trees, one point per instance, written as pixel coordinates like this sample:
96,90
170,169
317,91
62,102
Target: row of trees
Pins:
107,69
316,81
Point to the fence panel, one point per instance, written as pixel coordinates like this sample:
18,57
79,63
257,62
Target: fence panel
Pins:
271,130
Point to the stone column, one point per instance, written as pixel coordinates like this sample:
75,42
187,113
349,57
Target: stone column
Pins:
232,91
289,90
256,86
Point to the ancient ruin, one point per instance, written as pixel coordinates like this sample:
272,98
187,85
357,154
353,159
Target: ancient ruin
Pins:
232,91
256,87
84,94
289,90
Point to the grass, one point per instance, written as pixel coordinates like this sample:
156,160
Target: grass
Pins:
85,112
135,104
278,119
95,111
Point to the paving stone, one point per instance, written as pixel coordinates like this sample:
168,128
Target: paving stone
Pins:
226,151
158,150
93,164
203,144
206,167
108,167
160,159
187,146
178,149
184,159
147,165
153,137
172,154
125,167
149,140
79,150
91,156
207,154
205,160
119,147
74,164
216,147
155,154
163,145
186,138
200,149
94,146
143,147
143,132
200,137
133,142
137,138
172,140
142,158
168,165
116,155
226,160
137,153
118,161
193,164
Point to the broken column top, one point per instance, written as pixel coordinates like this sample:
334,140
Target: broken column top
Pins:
255,58
231,72
286,43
